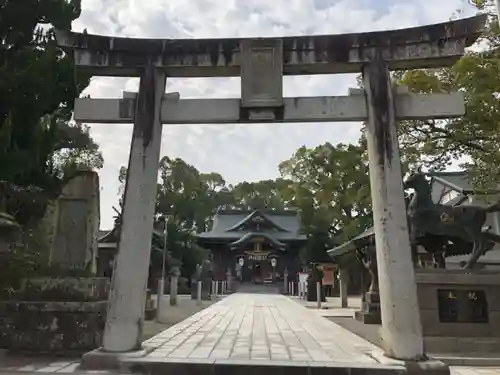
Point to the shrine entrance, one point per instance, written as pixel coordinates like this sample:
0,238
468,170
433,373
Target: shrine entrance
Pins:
257,272
261,63
262,272
259,267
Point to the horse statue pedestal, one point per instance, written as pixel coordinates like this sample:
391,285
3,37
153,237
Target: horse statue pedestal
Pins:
460,311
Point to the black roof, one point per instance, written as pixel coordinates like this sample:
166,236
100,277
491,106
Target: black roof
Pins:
365,238
230,225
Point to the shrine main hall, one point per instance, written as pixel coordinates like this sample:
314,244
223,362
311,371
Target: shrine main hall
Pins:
256,246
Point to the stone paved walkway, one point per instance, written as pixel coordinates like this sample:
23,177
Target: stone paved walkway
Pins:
261,327
247,330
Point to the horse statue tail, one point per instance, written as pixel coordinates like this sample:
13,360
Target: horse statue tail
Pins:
495,207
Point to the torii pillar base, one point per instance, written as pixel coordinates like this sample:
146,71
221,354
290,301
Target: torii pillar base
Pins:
426,367
99,359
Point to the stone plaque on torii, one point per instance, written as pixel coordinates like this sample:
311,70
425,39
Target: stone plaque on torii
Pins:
261,63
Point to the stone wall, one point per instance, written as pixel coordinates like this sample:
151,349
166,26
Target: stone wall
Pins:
63,316
80,288
58,328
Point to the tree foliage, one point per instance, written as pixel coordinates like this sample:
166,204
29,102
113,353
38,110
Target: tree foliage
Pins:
330,186
38,85
471,140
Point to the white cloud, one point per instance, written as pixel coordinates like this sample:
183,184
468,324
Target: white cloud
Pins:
238,152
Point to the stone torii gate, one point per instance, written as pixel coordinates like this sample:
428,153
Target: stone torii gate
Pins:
261,63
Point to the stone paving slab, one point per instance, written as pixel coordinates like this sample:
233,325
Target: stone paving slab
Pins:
258,330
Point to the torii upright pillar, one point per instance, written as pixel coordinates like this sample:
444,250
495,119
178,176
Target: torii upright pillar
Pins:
123,329
401,328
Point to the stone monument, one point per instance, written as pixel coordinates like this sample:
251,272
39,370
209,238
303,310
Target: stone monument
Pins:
76,222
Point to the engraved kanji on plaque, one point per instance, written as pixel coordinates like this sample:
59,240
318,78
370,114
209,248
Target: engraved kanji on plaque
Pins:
261,73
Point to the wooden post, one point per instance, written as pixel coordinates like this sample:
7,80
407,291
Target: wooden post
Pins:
318,294
285,281
344,287
229,279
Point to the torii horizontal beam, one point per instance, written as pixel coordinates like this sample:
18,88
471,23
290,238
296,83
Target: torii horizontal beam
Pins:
303,109
419,47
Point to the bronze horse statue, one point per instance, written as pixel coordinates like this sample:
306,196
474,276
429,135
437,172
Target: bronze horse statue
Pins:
444,229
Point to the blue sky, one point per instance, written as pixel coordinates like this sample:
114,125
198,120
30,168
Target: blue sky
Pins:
239,152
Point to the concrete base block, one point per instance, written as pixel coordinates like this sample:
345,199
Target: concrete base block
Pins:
368,318
457,346
98,359
149,314
428,366
453,360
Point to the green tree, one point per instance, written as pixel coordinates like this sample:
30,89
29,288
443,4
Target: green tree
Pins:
266,194
214,195
330,186
473,137
185,198
181,191
38,85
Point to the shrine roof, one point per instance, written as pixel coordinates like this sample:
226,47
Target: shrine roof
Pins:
102,232
353,244
356,243
112,236
108,236
281,225
460,181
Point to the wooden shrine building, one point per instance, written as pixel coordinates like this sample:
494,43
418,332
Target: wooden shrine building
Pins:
255,246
